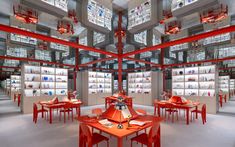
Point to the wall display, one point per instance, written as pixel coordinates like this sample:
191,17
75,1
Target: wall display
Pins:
144,86
146,55
21,38
15,83
17,52
8,84
194,81
61,4
177,4
99,14
141,37
179,47
156,40
57,46
224,83
43,55
217,39
44,81
232,85
139,14
225,52
98,38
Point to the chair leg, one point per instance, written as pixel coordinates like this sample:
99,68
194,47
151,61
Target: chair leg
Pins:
107,143
64,116
72,115
131,143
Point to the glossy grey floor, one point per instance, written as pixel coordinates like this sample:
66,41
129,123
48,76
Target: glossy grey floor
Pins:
18,130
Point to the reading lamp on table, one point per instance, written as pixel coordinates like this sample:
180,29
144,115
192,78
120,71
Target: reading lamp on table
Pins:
120,105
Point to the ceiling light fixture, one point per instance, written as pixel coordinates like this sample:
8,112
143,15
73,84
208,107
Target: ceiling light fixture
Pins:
65,27
25,15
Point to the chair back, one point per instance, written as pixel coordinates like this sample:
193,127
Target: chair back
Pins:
203,113
97,111
85,131
35,112
153,133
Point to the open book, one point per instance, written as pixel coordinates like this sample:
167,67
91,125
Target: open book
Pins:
106,123
138,123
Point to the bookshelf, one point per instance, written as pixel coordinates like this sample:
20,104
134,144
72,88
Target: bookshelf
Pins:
15,85
144,86
94,86
42,83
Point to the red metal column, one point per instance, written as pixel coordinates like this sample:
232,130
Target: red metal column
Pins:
120,33
76,65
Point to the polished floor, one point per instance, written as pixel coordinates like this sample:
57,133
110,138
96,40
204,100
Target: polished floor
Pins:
18,130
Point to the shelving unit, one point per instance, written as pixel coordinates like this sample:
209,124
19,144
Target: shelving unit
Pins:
232,85
8,86
144,86
224,83
196,83
15,85
42,83
94,86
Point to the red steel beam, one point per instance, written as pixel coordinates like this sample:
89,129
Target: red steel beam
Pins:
183,40
143,61
200,62
10,67
35,60
120,50
96,61
9,29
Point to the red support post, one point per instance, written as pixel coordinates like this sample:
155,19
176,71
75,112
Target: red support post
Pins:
120,50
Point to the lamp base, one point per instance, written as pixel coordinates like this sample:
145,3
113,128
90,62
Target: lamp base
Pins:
120,126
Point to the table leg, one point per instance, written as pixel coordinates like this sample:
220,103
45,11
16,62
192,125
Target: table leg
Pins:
120,143
42,112
50,115
196,112
158,111
187,115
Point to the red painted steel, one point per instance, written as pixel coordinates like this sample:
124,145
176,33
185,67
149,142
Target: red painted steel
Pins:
184,40
9,29
35,60
143,61
119,33
9,67
96,61
200,62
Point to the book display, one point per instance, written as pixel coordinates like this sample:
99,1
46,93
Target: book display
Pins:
141,37
15,84
144,86
181,3
17,52
98,38
224,83
217,39
232,85
61,4
194,81
140,14
23,39
95,86
57,46
99,14
8,86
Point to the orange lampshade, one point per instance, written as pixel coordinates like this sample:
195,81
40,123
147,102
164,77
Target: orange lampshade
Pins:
113,114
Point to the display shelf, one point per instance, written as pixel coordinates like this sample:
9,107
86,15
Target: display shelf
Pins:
44,80
224,83
15,83
194,81
232,85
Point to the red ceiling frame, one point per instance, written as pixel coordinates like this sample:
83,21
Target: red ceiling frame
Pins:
35,60
200,62
143,61
10,67
96,61
9,29
183,40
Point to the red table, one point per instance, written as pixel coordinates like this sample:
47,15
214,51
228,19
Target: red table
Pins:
186,107
50,106
121,133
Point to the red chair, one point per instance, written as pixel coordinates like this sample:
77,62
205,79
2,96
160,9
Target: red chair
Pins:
36,111
225,98
88,138
202,112
19,99
221,100
149,139
171,111
67,109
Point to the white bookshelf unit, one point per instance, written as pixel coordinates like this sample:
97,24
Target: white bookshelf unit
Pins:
15,85
8,86
42,83
94,86
232,85
224,83
198,83
144,87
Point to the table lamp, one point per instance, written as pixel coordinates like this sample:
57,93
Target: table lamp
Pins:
120,105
